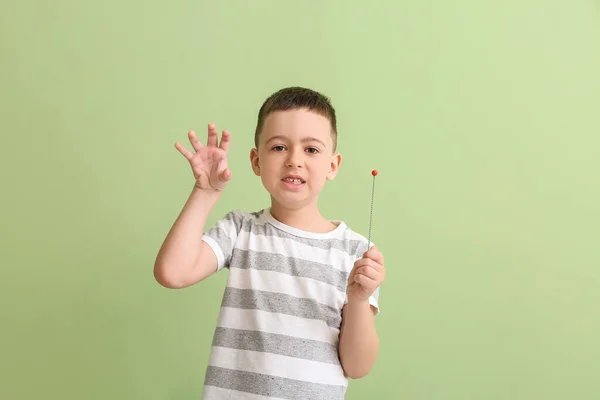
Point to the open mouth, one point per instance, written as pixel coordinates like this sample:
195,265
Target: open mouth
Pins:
296,181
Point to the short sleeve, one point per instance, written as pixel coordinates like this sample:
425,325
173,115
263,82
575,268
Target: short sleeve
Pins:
374,300
223,235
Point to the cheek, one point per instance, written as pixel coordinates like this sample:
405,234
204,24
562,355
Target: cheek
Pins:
270,168
319,173
266,163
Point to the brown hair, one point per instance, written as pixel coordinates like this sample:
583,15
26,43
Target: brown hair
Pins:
295,98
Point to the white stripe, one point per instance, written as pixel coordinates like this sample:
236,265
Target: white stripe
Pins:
277,365
338,259
282,324
276,282
217,393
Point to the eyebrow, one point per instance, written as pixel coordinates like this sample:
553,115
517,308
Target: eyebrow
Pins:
304,139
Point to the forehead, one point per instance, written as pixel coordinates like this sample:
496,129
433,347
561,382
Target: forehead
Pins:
296,124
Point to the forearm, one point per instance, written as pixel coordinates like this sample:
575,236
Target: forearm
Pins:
181,247
359,342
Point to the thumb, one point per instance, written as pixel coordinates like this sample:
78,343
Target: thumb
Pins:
225,175
371,252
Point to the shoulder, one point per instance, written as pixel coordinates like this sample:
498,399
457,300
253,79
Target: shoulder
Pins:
356,243
240,218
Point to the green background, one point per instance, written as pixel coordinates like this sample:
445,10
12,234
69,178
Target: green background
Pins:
481,116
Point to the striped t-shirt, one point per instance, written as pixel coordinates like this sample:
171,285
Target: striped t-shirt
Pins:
280,317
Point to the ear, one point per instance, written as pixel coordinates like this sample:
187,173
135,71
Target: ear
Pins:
334,166
254,161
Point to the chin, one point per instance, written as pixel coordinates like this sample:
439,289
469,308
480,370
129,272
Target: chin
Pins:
290,200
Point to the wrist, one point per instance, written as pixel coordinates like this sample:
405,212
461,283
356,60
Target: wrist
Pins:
358,302
205,198
206,192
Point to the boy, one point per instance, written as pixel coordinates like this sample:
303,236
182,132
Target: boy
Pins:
297,316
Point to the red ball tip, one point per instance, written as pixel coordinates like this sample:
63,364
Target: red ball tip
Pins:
374,172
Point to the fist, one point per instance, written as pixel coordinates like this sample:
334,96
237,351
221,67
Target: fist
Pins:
366,276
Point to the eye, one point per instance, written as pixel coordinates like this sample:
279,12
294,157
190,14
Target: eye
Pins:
312,150
278,148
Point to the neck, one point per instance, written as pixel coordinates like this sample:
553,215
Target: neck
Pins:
307,218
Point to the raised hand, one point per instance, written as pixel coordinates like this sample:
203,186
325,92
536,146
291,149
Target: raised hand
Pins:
209,163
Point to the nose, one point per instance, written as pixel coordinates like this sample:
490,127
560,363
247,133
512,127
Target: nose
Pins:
294,159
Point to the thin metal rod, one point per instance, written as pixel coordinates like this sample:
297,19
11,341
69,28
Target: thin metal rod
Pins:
371,213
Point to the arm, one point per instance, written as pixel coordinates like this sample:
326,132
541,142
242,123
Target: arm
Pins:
184,259
359,342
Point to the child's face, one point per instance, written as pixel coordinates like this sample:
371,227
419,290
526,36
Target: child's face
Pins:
295,156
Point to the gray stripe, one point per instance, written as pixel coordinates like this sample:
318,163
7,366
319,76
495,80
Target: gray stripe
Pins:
232,219
281,303
257,214
272,386
282,345
248,259
224,241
